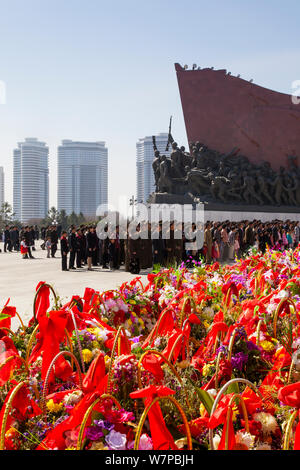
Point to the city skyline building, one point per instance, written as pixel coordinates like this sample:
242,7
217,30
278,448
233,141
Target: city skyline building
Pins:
2,182
30,180
82,177
145,184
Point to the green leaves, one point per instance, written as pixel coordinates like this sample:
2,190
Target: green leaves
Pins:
3,316
205,398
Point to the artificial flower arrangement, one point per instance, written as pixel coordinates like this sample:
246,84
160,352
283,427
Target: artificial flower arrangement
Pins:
202,358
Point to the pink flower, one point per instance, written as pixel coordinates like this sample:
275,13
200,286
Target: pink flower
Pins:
145,442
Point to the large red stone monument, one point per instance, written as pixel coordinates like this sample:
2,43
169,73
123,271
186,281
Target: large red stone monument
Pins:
223,111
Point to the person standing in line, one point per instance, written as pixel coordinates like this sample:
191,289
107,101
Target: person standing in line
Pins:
32,237
64,247
54,241
24,249
27,236
7,239
80,247
297,234
208,242
91,246
72,247
48,246
158,246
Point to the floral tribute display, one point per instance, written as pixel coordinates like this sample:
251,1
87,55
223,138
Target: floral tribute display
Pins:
203,358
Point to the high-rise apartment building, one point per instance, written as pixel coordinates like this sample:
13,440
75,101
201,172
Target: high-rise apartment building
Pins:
144,159
31,180
82,177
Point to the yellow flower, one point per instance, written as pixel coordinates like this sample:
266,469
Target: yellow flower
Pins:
107,360
202,409
87,355
267,346
95,344
206,324
129,322
91,330
206,369
54,407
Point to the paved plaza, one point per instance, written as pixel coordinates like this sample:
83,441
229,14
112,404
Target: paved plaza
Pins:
19,277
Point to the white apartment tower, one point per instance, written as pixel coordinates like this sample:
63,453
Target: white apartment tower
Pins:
31,180
82,177
1,186
144,159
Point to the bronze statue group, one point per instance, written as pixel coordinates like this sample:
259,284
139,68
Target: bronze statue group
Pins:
213,177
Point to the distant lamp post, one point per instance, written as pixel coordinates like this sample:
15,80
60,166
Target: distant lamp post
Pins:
132,203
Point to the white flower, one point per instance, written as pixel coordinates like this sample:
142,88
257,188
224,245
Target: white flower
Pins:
157,342
268,422
216,441
245,438
283,294
73,398
100,334
213,392
263,446
116,440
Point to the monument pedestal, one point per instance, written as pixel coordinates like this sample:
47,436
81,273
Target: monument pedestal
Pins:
219,212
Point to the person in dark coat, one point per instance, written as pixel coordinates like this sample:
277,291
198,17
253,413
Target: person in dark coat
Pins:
28,241
91,244
64,247
54,241
134,248
72,247
7,239
158,246
80,248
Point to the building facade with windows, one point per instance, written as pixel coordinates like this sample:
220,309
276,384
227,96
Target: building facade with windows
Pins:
30,180
145,184
82,177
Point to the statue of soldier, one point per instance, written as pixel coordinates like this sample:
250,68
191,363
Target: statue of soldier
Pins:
219,187
280,195
165,181
156,168
250,192
177,161
263,187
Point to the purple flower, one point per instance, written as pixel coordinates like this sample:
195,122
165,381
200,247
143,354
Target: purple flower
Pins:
100,423
136,339
251,346
239,360
93,433
222,349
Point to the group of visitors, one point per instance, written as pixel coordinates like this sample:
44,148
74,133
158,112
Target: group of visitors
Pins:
23,239
169,245
159,244
226,240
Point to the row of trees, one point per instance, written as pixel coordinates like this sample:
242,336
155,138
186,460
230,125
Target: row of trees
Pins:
7,217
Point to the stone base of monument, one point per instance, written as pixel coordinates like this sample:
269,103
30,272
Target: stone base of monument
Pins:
214,211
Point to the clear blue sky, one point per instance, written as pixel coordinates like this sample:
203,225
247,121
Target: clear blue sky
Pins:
104,70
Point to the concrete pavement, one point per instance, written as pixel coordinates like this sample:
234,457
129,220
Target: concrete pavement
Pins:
19,278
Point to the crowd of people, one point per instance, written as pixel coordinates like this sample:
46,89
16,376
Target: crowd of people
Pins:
149,246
